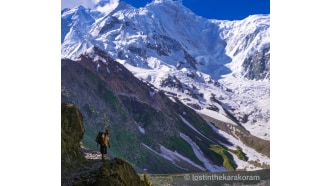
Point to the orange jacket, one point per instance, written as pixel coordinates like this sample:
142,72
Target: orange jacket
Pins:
106,140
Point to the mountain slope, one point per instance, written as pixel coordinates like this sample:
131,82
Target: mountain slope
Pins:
147,128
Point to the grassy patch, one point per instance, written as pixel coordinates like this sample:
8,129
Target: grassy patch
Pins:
228,160
108,96
145,117
184,148
239,153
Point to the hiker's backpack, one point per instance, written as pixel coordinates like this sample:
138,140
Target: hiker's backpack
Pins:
99,138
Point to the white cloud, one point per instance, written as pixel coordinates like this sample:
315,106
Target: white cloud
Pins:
108,7
111,5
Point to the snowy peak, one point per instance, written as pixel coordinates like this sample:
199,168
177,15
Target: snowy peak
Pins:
123,6
210,44
78,14
209,64
168,7
75,23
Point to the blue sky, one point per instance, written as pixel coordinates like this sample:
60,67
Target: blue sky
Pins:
220,9
211,9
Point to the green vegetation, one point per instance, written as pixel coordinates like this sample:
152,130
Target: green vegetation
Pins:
228,160
184,148
239,153
122,113
144,117
109,97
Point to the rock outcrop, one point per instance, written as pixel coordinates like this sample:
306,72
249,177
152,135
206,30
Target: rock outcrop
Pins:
72,132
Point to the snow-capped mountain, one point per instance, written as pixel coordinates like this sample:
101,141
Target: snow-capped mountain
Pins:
218,67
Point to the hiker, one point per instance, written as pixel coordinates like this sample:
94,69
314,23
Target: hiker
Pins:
105,143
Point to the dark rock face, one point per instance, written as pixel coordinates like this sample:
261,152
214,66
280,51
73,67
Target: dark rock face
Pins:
257,66
76,169
164,45
72,131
